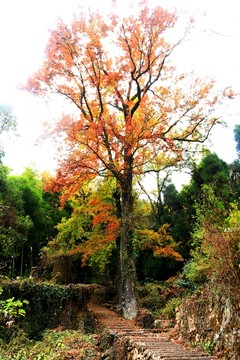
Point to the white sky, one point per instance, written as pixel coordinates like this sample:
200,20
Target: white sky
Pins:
212,49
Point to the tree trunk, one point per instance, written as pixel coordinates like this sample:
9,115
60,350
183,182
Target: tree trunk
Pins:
127,263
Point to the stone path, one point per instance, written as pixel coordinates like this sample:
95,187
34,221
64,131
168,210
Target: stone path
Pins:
142,343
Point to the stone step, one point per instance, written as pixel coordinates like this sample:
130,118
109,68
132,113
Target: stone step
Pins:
144,344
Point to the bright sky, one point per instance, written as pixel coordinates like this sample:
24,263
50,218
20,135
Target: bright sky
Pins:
212,49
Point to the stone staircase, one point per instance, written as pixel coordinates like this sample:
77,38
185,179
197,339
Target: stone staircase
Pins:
143,344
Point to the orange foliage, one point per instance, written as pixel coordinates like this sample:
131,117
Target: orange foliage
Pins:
91,227
133,111
104,229
160,242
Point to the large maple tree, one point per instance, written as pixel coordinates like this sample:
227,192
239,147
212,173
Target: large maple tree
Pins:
134,113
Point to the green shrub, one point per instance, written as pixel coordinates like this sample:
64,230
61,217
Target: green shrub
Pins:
150,296
169,310
10,311
216,245
154,296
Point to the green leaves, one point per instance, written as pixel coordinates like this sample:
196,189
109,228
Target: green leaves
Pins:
7,118
216,253
11,310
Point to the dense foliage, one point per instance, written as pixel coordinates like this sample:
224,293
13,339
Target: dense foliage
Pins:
28,216
79,244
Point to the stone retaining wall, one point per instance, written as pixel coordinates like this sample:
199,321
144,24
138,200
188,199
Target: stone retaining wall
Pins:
212,320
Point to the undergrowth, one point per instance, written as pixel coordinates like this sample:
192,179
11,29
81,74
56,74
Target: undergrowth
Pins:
55,325
56,344
161,298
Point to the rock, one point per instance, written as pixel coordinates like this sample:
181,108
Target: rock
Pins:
145,319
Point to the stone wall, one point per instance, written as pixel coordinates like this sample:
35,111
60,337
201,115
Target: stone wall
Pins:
49,304
212,319
125,349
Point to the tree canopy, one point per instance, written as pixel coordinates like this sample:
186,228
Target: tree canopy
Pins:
7,122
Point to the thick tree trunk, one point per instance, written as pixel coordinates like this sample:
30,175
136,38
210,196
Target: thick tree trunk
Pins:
127,263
